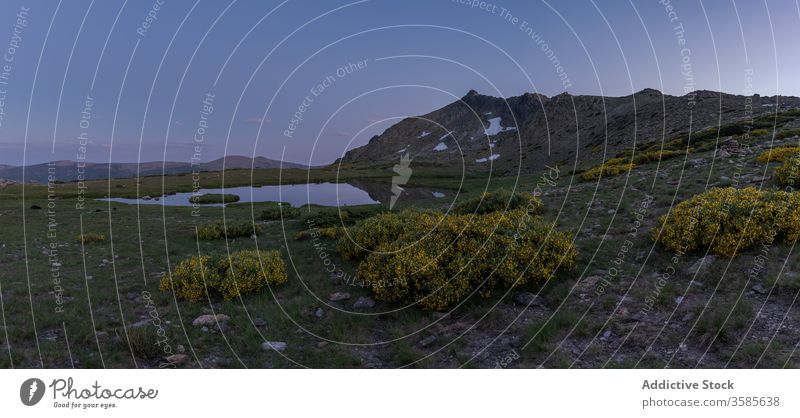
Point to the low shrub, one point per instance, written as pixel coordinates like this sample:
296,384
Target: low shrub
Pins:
230,229
728,220
499,200
606,170
779,154
438,260
788,173
90,238
279,212
230,276
144,342
210,198
787,133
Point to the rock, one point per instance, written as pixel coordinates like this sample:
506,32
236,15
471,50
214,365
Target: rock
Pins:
606,335
319,313
528,299
701,266
35,207
180,349
259,322
204,329
139,324
688,317
587,284
760,289
364,303
679,300
426,341
278,346
210,319
177,359
338,296
322,344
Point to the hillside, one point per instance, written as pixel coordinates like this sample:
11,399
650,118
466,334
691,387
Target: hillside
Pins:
528,131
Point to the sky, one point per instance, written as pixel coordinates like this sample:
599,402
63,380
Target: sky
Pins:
304,81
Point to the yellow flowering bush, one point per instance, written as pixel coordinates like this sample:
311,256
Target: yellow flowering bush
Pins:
191,278
243,272
498,200
779,154
250,271
437,260
729,220
89,238
788,173
606,170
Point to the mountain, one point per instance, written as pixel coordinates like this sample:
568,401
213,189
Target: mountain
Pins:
67,171
528,131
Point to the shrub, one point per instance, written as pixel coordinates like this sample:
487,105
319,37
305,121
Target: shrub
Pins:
89,238
209,198
283,211
437,260
779,154
728,220
787,174
500,200
787,133
606,170
334,232
250,271
230,276
230,229
144,342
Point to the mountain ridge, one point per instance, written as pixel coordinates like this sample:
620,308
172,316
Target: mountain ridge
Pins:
526,132
67,170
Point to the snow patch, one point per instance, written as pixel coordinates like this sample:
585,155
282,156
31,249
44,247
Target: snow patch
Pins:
495,127
423,134
490,158
440,147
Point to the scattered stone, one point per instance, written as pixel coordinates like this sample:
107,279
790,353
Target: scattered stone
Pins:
210,319
683,347
139,324
528,299
259,322
180,348
425,342
278,346
701,266
364,303
760,289
606,335
319,313
338,296
587,284
204,329
177,359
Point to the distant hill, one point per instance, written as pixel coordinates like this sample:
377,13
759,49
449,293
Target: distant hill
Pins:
67,171
525,132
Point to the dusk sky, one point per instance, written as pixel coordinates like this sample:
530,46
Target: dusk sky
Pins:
256,62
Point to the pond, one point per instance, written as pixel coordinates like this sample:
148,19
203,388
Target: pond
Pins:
325,194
